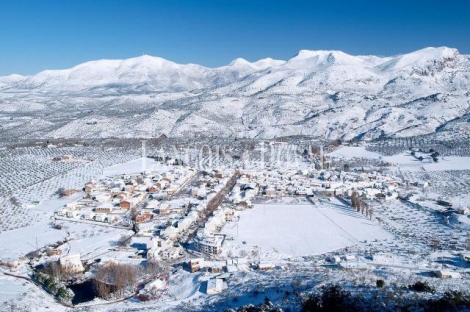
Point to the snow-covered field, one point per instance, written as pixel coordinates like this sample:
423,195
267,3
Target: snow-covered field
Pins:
283,230
135,166
20,241
20,295
405,160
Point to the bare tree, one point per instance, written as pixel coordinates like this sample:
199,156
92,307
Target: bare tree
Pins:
123,241
52,268
15,201
114,278
61,192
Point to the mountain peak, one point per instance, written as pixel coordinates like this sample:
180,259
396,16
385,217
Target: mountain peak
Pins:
325,57
268,62
429,59
239,62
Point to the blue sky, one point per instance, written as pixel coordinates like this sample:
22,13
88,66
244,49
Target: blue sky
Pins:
54,34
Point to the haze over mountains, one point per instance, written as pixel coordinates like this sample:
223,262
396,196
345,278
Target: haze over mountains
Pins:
321,93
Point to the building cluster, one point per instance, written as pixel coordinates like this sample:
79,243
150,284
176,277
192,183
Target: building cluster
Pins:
177,207
275,183
166,208
112,199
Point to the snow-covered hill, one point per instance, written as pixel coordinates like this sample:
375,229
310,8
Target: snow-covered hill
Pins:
321,93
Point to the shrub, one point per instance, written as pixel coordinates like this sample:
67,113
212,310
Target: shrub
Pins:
57,226
380,283
421,287
143,297
332,298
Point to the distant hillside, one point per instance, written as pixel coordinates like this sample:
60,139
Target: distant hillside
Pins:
328,94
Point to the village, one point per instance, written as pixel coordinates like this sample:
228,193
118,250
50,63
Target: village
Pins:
167,223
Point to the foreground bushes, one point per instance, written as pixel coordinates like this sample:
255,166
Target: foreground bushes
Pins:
333,298
54,286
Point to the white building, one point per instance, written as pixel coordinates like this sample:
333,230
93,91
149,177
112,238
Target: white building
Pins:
447,274
208,243
71,264
215,285
382,258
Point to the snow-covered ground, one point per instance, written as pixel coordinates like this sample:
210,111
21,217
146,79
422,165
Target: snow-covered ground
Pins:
20,295
20,241
405,160
283,230
89,240
354,151
135,166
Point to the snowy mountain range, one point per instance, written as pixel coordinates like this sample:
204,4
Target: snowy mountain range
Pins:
327,94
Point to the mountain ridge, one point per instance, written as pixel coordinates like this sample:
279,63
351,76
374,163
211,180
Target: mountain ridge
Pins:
322,93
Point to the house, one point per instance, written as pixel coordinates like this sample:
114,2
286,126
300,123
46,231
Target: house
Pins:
122,195
215,222
172,189
170,233
447,274
154,242
162,184
141,188
101,196
129,188
168,177
101,218
163,209
71,264
51,252
465,256
201,192
125,204
142,217
71,206
196,264
216,268
349,258
270,191
89,187
229,214
335,259
171,253
185,223
382,258
265,266
353,265
215,286
422,184
13,264
104,208
153,189
232,268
